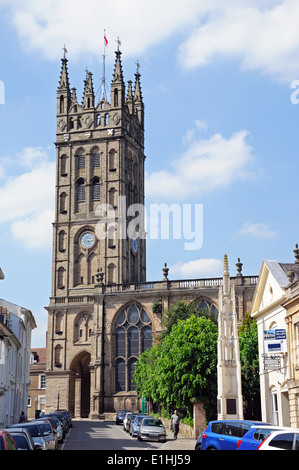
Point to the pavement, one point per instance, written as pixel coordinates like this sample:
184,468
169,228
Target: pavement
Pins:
181,443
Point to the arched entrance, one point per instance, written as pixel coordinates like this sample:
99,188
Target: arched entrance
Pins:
80,385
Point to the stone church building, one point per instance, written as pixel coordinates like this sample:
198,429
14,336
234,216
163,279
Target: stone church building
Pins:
100,315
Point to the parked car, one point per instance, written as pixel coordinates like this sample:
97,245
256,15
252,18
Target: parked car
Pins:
48,432
66,416
120,416
151,428
35,431
129,420
7,442
198,442
225,434
63,421
134,425
256,434
23,439
281,440
57,426
127,416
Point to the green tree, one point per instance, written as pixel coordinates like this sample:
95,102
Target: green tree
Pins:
182,368
182,310
248,340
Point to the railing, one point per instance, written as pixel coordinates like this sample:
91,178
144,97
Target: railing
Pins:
207,283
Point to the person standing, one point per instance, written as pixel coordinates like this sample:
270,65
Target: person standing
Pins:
175,423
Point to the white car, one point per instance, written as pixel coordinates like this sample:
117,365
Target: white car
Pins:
281,440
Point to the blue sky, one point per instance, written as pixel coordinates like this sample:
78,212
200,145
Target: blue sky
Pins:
221,129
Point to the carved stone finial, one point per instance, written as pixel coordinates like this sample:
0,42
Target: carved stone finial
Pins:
165,272
239,268
290,275
225,264
296,253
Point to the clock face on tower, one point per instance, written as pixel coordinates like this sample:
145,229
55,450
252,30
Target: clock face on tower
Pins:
87,240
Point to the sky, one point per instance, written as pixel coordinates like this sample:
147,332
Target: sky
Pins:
220,84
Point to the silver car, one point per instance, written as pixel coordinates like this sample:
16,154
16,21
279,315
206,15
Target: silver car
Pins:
125,421
48,433
153,429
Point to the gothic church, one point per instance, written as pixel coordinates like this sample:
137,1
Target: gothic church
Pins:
100,315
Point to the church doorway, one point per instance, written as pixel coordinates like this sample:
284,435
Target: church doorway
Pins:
80,385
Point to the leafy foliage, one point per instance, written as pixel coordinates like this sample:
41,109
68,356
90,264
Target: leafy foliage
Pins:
182,368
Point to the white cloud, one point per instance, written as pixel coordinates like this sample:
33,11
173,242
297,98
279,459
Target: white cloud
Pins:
45,26
257,230
208,164
261,35
27,200
199,268
34,231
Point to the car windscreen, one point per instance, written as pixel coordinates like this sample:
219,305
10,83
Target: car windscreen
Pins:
21,442
152,422
34,430
46,428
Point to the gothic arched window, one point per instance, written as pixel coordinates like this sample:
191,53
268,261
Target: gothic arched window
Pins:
133,335
81,190
95,191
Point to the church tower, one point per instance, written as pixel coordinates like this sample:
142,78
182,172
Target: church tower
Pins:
100,173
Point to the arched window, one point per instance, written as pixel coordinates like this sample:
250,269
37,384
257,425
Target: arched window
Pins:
61,278
61,240
61,104
115,97
58,355
95,191
133,335
80,190
58,323
81,160
111,273
62,203
83,328
63,161
112,166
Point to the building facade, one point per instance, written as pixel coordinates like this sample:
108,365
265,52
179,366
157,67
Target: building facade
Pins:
276,309
37,387
16,325
103,313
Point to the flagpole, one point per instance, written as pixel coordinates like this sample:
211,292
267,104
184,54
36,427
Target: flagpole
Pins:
103,69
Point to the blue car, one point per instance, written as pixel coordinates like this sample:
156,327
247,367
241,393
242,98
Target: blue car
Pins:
225,434
255,436
134,426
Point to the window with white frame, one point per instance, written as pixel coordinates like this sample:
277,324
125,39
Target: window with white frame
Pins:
42,381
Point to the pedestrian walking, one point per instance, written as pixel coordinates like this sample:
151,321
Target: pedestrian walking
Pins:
22,417
175,423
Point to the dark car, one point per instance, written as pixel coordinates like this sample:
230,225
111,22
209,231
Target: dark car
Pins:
120,416
66,416
23,439
7,442
225,434
35,432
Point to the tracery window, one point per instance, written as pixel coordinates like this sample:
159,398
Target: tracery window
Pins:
133,335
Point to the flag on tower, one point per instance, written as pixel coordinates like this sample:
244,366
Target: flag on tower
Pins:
105,40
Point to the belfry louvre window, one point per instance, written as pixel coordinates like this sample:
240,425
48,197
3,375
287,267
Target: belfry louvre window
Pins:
133,335
96,189
80,191
81,161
